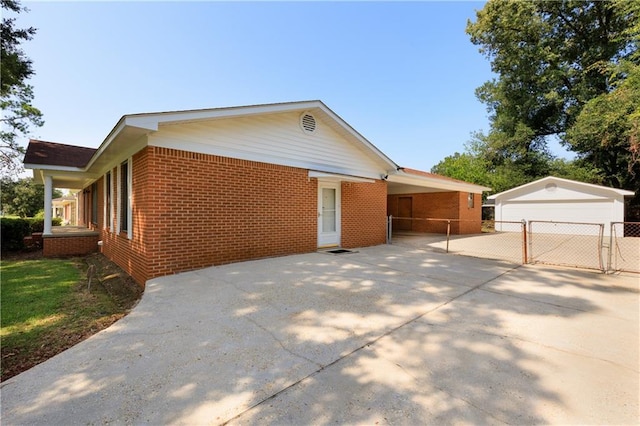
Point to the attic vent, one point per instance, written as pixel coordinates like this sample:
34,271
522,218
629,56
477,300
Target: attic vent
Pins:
551,187
308,123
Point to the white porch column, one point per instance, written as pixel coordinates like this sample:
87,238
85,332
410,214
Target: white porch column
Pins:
48,204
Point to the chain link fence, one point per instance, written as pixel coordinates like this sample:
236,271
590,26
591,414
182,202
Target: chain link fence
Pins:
566,244
498,240
624,253
573,244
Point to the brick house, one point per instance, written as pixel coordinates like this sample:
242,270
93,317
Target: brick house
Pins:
174,191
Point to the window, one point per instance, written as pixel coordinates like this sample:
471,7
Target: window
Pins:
124,196
94,203
108,221
470,202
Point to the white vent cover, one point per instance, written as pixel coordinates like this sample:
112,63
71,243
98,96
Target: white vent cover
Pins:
308,122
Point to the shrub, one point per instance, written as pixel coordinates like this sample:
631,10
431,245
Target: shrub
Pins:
15,229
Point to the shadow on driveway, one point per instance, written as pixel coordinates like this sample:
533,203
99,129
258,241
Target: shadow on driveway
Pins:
389,334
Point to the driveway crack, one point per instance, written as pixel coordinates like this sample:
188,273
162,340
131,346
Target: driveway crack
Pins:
356,350
282,345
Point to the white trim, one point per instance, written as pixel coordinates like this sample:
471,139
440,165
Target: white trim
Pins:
623,192
104,201
118,196
338,177
334,238
435,183
130,198
112,201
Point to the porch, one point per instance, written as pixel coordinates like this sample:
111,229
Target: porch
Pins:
70,241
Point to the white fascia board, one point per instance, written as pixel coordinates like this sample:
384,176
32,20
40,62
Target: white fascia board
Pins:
433,182
337,176
110,137
146,124
522,188
53,168
173,117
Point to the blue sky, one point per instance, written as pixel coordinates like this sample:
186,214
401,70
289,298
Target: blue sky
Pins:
402,74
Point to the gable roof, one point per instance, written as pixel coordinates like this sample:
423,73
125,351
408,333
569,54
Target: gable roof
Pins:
151,122
57,154
584,187
76,167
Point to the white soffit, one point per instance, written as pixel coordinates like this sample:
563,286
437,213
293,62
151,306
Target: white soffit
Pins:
338,177
435,183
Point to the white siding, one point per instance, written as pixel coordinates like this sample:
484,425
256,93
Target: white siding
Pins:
273,138
567,211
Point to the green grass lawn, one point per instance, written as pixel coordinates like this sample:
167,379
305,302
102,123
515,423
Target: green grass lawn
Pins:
33,294
46,308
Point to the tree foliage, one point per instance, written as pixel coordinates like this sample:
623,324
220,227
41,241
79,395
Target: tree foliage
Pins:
566,70
607,131
22,197
16,96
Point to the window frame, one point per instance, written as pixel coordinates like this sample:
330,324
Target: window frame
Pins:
108,202
125,216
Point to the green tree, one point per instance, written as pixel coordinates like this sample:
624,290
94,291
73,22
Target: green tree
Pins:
607,131
551,59
16,96
22,197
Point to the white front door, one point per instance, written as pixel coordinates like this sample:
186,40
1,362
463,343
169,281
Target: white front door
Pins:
328,214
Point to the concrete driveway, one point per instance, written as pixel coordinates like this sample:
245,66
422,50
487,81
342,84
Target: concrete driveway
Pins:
387,335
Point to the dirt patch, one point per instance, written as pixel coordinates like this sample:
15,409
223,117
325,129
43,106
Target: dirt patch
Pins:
117,283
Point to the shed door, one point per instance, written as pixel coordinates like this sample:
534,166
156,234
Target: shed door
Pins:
405,209
328,214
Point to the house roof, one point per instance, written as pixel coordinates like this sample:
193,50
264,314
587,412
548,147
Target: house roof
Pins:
57,154
76,167
585,187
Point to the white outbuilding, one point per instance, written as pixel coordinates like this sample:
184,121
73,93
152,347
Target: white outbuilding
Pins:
553,199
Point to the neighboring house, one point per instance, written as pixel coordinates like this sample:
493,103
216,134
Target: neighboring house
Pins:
173,191
66,208
561,200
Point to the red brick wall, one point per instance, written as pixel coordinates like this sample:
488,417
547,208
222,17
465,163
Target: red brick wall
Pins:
204,210
60,246
364,221
441,205
194,210
130,254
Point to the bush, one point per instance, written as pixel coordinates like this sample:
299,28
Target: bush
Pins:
15,229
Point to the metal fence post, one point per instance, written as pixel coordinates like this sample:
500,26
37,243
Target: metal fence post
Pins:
524,242
530,242
448,233
601,236
612,230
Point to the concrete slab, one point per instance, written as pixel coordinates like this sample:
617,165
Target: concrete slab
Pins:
387,334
